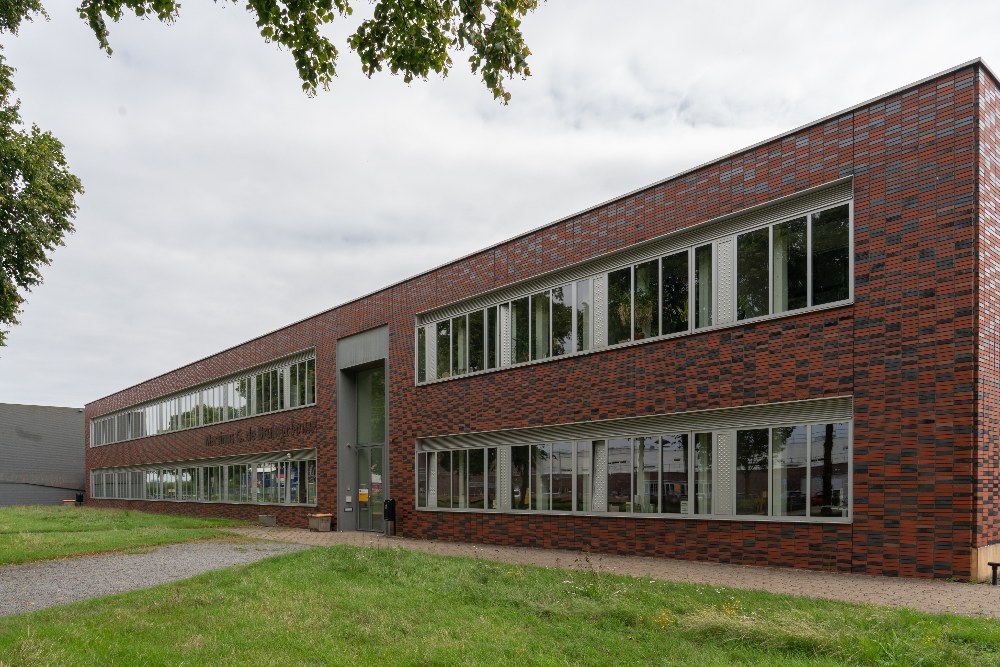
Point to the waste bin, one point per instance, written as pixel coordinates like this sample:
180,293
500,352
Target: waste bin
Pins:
79,498
389,514
320,523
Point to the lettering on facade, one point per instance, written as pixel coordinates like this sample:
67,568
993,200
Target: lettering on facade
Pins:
255,433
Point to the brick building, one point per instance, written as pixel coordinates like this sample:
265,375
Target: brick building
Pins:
788,356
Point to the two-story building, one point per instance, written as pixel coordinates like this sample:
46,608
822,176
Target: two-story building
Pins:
787,356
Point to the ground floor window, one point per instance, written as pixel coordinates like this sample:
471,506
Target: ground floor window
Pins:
283,478
788,471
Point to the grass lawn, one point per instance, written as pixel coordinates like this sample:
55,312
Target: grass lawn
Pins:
41,533
355,606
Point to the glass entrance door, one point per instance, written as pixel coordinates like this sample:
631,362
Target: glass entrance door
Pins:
370,487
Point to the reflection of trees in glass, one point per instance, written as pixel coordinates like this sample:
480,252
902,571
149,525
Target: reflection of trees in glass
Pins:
444,349
751,457
477,346
519,330
371,405
520,468
619,305
675,293
540,326
831,255
646,300
703,292
790,265
751,274
562,320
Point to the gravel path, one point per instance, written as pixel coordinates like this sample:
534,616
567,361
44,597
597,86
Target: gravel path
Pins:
39,585
921,594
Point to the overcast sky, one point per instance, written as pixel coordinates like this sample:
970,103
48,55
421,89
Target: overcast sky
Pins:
222,203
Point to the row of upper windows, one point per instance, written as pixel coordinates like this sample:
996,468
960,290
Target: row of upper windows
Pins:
288,385
792,471
784,267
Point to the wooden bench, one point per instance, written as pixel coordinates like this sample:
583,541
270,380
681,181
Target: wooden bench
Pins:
994,566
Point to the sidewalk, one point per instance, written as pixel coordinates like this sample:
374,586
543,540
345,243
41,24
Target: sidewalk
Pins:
920,594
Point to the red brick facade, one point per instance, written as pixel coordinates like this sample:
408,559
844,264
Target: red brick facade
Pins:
918,349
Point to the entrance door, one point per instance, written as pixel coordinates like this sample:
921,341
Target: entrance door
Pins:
370,487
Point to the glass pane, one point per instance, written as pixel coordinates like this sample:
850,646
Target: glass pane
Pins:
788,471
562,477
646,297
477,345
459,343
675,293
584,299
619,306
541,477
519,457
460,479
443,479
491,478
311,382
311,481
703,292
477,480
584,482
828,470
444,349
789,262
421,354
674,498
619,475
519,330
647,479
751,471
562,320
541,336
491,337
421,480
371,405
703,473
751,274
831,256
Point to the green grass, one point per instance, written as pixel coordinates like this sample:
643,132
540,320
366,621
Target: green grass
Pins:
355,606
42,533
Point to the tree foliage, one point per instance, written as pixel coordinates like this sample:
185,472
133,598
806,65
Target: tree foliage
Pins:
37,191
413,38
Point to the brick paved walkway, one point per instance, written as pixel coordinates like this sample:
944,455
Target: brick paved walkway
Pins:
924,595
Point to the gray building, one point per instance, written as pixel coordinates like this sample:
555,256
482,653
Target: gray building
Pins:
41,454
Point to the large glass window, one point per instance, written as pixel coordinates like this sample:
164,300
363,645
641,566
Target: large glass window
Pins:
620,306
491,338
421,354
752,274
789,260
371,405
646,490
829,478
676,469
831,255
584,314
646,300
751,471
704,292
676,297
519,330
619,475
789,461
444,349
562,320
459,345
477,342
584,475
540,326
